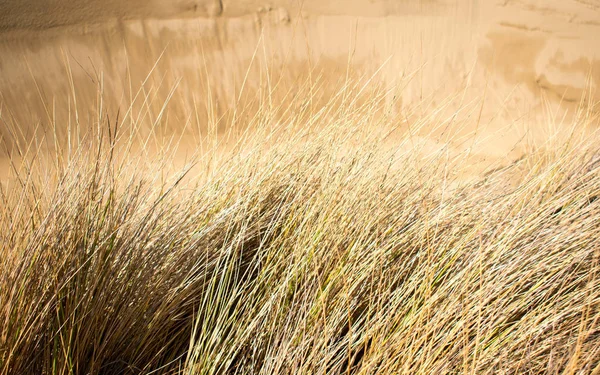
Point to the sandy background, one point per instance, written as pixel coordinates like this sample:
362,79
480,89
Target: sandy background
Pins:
529,59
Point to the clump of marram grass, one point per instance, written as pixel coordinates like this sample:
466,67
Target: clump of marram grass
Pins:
320,253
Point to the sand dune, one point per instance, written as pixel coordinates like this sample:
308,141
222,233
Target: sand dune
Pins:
521,56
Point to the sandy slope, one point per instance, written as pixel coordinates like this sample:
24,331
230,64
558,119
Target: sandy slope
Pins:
49,13
518,54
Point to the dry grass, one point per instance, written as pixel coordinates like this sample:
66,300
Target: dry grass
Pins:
309,247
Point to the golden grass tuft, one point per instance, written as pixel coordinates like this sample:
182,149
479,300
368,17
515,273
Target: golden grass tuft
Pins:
316,244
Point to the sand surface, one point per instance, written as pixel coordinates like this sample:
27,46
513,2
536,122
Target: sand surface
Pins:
528,59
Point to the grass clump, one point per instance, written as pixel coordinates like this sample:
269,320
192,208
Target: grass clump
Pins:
313,251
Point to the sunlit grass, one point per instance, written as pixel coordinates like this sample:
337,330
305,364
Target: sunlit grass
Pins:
313,240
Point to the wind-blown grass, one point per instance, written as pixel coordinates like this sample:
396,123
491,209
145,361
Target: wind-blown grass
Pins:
310,251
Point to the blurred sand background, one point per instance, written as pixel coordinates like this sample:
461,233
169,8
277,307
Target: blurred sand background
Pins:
516,62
